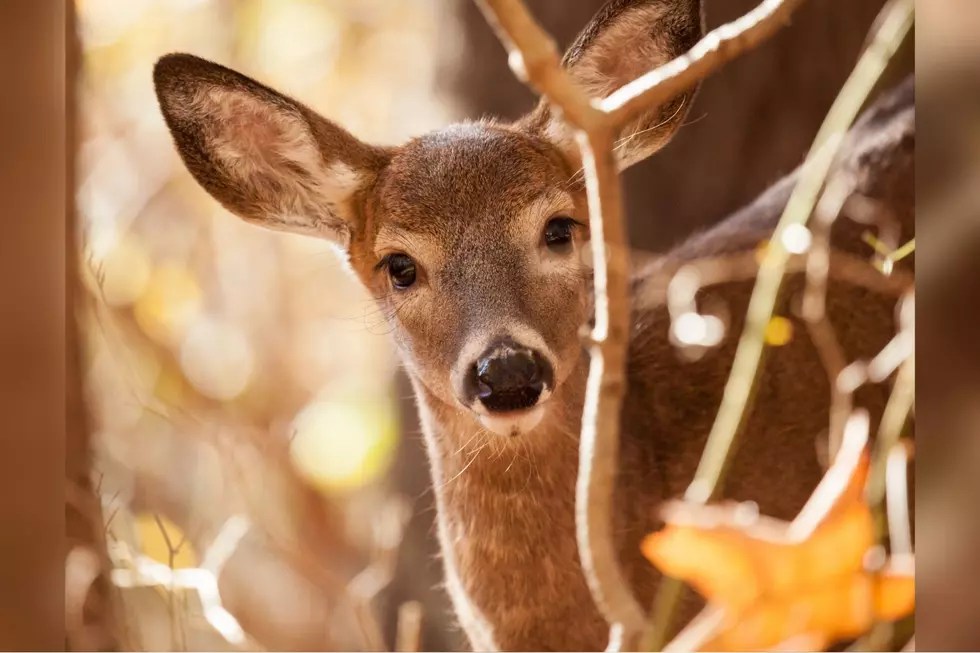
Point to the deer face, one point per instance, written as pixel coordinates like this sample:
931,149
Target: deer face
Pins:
471,238
475,249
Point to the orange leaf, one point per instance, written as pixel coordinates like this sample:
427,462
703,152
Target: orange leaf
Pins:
776,585
712,562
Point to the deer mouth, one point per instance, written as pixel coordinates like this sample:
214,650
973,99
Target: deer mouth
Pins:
513,413
513,423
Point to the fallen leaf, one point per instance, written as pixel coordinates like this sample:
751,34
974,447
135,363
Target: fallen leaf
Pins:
775,585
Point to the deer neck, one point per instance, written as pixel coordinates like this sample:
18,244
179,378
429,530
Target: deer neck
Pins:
506,518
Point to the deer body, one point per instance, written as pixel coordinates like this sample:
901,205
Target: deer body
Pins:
473,239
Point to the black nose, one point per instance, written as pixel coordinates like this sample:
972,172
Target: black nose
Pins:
510,377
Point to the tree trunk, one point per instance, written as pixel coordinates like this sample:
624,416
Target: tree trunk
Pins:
41,500
92,617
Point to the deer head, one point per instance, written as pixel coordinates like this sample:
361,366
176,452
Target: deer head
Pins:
470,236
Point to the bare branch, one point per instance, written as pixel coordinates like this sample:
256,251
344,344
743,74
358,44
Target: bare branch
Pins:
814,309
895,21
897,499
533,56
890,431
535,59
748,357
712,52
409,633
605,389
743,266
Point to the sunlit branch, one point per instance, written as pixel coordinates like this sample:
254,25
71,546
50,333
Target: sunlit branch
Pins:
717,48
535,59
896,20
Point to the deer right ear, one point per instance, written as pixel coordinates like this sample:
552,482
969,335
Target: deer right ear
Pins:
626,39
263,156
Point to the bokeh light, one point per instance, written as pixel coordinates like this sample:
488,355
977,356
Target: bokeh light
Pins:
217,358
779,331
207,334
122,273
171,300
342,445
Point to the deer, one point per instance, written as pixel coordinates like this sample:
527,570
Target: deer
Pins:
473,239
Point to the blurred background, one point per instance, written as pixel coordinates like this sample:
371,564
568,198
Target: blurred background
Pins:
256,456
245,418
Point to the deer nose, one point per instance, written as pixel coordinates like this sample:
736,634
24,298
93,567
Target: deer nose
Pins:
510,377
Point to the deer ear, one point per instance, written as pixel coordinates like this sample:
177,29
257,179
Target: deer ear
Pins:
263,156
626,39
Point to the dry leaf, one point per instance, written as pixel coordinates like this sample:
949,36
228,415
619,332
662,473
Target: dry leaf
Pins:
774,585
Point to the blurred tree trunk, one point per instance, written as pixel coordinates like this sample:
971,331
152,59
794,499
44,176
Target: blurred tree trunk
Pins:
93,620
40,499
751,124
947,314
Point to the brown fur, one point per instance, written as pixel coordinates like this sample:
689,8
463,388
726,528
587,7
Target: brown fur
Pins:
468,203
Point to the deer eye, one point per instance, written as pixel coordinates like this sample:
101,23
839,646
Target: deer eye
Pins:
401,269
558,233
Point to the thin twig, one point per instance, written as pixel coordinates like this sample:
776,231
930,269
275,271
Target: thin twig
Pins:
389,529
175,629
748,357
369,627
832,357
898,16
409,635
904,251
889,433
716,49
743,266
534,58
897,500
814,309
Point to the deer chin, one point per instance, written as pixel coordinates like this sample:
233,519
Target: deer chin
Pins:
514,423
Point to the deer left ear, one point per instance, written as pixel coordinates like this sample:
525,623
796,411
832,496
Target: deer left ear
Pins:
265,157
626,39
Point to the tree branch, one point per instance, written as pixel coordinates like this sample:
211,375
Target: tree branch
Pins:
898,19
717,48
894,23
604,393
535,59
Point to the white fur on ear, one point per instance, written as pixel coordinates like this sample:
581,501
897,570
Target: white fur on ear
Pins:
267,158
263,147
623,51
625,41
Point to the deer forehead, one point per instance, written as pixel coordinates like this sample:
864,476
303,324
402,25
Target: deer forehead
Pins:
471,181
